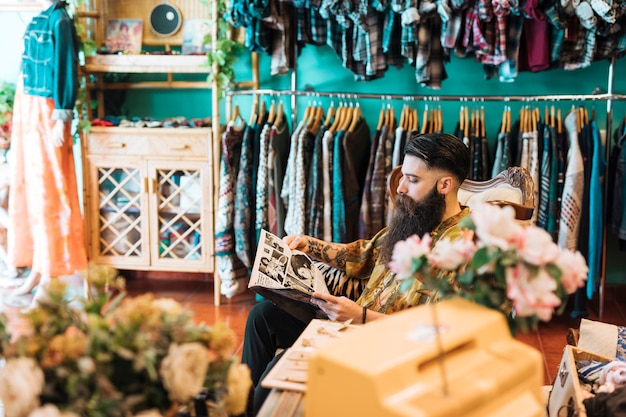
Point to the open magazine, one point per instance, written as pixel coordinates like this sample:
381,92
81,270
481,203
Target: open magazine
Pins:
286,277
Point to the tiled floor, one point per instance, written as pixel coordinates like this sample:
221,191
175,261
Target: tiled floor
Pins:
550,338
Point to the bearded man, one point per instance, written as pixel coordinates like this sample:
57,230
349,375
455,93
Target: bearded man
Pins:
434,167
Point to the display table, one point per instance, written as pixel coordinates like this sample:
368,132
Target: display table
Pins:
282,403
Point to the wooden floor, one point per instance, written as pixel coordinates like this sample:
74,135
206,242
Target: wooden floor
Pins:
197,295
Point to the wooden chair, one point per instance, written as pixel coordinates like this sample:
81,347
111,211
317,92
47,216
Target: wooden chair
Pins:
511,187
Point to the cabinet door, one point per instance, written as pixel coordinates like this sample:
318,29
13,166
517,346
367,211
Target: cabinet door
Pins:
181,215
118,212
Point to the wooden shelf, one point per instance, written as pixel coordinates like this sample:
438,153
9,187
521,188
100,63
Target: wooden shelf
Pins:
154,64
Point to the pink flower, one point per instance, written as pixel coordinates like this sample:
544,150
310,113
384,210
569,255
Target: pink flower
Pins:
573,270
450,255
495,226
405,251
535,246
531,295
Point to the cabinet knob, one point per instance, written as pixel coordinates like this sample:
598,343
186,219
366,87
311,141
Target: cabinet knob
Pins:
116,145
180,147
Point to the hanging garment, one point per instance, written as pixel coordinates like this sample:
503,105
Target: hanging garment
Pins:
378,188
315,189
571,199
260,201
553,200
617,194
596,220
289,192
244,203
280,141
356,150
502,159
543,204
327,174
338,201
365,221
232,272
46,227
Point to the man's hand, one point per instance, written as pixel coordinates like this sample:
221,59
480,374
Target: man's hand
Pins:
297,242
58,133
338,308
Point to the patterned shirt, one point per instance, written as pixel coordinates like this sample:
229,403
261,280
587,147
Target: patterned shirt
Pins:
382,292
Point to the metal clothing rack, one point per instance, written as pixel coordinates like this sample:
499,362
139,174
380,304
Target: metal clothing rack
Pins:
609,97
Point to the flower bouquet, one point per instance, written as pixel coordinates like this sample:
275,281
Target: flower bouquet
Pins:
499,264
116,356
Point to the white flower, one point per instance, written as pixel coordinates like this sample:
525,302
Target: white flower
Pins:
168,305
184,370
86,365
535,246
495,226
238,382
450,255
405,251
51,410
573,270
531,295
21,384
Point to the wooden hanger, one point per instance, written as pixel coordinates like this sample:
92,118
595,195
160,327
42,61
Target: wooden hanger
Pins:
278,121
338,118
253,112
319,116
272,113
552,122
462,119
236,115
424,120
381,119
503,121
482,122
508,120
262,112
466,124
403,117
331,114
356,117
392,118
559,122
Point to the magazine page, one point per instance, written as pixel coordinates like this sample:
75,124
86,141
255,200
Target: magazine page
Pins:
286,277
277,266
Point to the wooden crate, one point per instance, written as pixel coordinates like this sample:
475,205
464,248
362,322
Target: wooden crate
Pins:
140,9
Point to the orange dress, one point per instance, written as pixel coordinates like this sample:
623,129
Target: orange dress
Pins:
46,229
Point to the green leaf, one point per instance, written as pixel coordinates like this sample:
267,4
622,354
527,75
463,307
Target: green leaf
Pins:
481,258
406,284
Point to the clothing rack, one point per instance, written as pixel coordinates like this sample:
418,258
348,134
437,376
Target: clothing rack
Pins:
609,97
507,98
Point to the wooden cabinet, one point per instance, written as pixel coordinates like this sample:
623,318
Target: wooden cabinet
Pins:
149,199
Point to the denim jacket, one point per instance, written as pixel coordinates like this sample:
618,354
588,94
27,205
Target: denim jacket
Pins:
50,59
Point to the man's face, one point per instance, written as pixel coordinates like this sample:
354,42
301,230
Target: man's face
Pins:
417,179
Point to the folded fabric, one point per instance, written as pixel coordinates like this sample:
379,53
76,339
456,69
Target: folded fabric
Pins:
613,376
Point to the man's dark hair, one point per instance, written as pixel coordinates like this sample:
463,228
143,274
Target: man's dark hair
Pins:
441,151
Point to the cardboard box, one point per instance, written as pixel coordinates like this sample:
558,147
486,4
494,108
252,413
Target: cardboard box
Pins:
566,397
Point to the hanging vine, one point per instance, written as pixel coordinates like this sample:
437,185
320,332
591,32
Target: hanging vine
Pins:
225,54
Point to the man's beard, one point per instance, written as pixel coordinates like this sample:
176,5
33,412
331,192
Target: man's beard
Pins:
413,218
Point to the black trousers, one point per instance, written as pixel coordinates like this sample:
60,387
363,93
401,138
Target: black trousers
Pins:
268,328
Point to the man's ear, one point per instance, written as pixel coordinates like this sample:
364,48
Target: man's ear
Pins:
445,184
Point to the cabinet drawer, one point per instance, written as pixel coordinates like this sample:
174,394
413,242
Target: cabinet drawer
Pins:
173,143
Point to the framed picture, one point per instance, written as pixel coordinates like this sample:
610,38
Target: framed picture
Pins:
124,35
195,32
